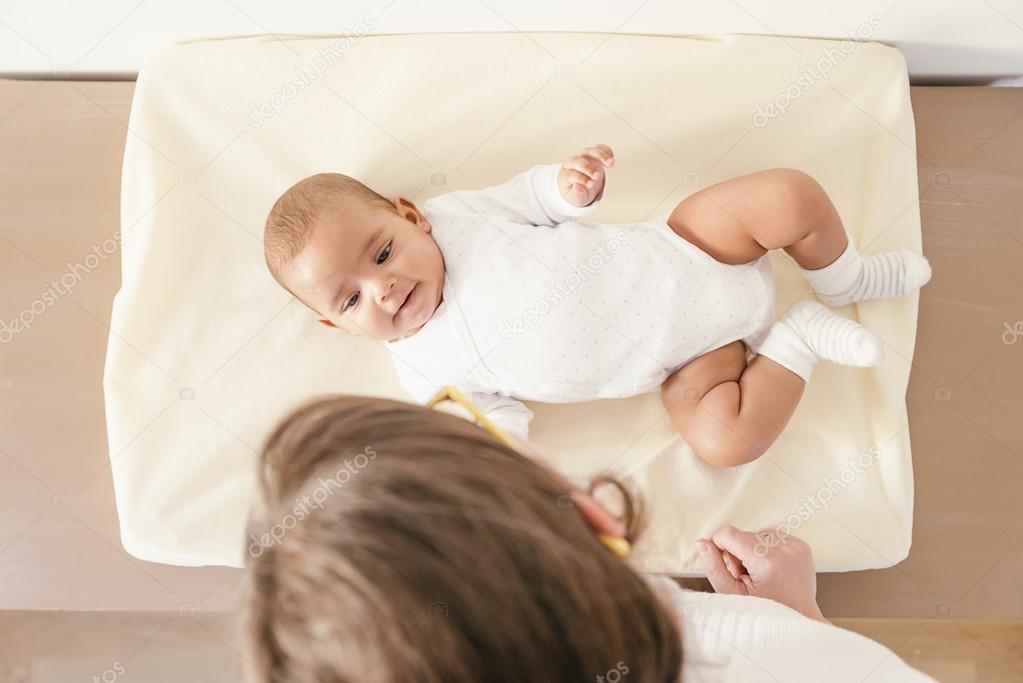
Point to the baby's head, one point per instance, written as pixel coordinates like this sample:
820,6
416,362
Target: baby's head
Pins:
362,262
425,550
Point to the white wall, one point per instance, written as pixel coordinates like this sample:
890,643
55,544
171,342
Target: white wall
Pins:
942,39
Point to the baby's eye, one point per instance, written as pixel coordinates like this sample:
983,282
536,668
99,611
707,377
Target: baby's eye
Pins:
384,254
352,300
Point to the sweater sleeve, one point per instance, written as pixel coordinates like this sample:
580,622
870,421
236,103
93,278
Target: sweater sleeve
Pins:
530,198
748,638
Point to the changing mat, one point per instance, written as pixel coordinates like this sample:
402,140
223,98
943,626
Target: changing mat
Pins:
206,352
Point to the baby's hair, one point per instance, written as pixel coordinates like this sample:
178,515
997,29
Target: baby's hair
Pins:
399,543
295,212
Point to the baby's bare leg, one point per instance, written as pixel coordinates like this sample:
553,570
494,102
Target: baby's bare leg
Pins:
730,418
728,412
702,374
737,220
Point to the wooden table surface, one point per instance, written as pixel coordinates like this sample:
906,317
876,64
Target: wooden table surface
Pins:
60,153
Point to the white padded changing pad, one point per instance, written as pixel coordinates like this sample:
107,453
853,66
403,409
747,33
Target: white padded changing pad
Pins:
207,352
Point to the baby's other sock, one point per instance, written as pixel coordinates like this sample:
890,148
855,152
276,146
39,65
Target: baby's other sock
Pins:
853,277
810,331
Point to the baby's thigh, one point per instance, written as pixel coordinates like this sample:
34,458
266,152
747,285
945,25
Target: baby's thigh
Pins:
724,219
700,375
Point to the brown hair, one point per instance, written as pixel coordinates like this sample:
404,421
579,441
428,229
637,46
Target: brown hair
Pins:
425,550
295,212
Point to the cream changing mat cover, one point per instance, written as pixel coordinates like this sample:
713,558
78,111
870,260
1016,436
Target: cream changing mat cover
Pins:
206,352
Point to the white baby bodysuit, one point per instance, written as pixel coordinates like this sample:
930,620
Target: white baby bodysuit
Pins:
537,306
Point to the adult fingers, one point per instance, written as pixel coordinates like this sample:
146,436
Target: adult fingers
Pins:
740,543
712,565
733,565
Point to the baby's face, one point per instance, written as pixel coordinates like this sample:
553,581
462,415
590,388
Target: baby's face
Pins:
370,271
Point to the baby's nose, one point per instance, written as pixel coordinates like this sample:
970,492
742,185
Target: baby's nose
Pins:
385,292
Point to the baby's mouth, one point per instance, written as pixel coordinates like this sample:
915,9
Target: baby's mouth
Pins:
405,303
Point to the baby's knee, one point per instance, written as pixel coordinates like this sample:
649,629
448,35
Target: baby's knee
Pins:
679,390
723,449
732,361
799,191
693,380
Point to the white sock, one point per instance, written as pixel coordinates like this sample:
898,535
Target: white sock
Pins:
809,332
853,278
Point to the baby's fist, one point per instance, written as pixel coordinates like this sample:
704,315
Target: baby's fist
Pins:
581,177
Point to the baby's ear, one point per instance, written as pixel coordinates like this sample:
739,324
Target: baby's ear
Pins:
408,210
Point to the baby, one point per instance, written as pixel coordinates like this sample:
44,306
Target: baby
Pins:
503,293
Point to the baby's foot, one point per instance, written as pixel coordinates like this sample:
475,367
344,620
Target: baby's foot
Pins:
853,277
810,331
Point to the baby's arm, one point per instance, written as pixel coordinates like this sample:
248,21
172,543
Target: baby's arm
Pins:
547,194
509,414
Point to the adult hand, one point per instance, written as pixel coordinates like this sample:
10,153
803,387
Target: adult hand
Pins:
765,565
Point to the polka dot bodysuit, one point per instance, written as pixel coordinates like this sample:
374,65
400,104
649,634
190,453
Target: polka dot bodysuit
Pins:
537,306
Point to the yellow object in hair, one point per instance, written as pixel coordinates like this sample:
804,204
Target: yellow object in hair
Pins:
617,544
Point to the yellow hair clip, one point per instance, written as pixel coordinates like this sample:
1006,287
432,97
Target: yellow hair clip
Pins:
617,544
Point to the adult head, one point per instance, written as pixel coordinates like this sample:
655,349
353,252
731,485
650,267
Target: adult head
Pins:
400,543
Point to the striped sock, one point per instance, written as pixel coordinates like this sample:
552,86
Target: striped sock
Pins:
809,332
851,277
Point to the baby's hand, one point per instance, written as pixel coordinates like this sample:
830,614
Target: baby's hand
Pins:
581,177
